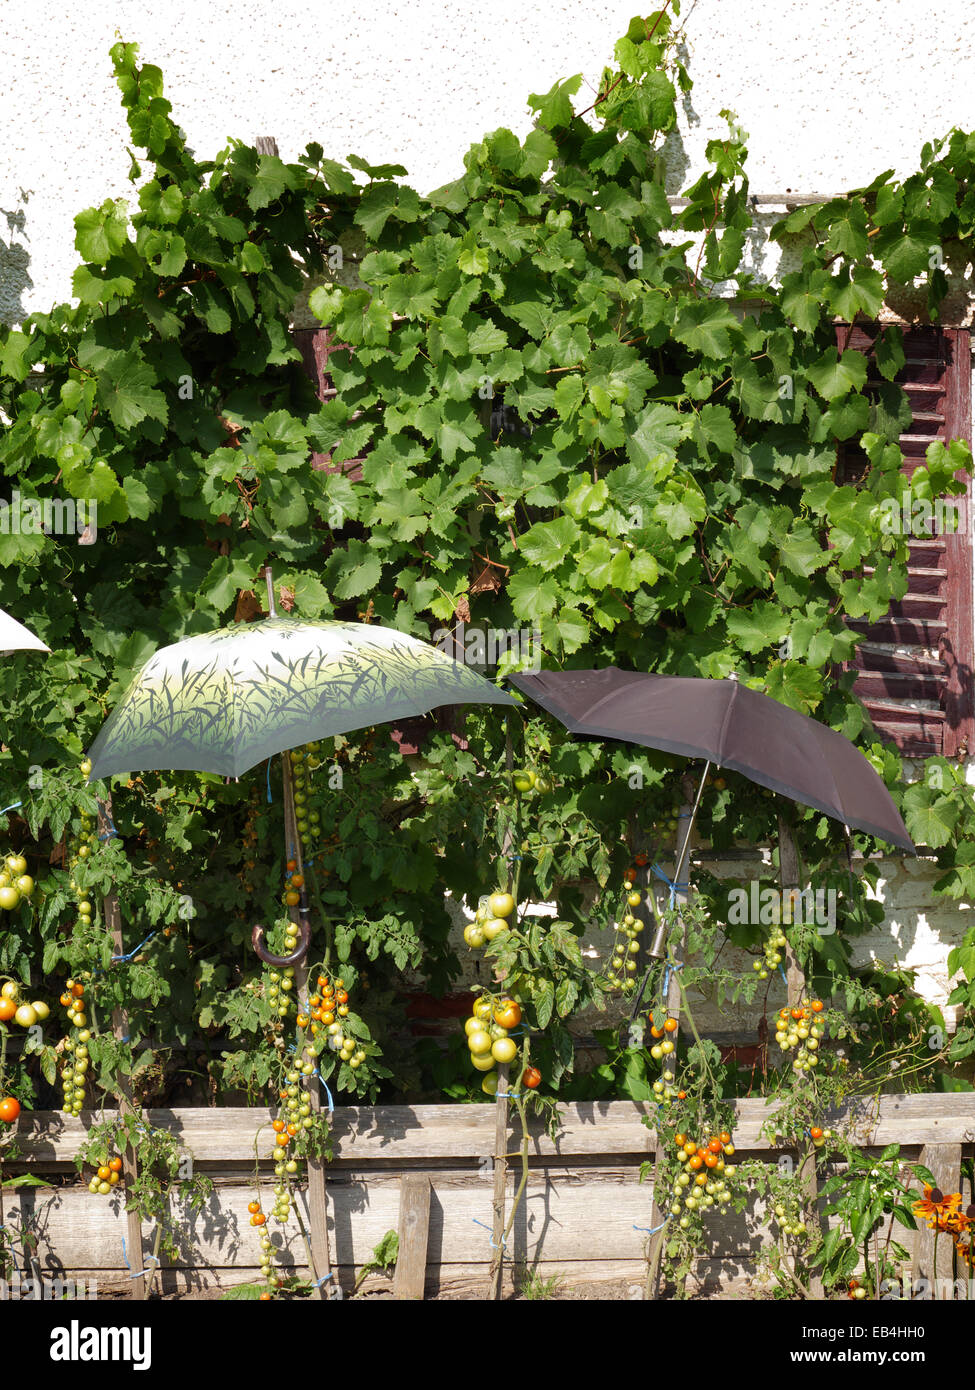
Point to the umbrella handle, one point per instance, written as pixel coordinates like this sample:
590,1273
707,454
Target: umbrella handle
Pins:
297,955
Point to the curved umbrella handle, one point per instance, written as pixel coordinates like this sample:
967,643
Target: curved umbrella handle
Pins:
297,955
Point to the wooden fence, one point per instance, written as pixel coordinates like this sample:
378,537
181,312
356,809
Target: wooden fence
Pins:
428,1172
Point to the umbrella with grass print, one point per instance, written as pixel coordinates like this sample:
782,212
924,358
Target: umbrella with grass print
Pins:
227,700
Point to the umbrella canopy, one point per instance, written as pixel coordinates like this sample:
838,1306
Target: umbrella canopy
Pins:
15,637
224,701
731,725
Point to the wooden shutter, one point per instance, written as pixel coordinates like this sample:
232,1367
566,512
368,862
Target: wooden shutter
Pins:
915,665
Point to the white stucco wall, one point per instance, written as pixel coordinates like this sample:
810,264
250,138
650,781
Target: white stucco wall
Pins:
830,95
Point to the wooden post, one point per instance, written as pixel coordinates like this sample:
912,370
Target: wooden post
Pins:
317,1204
676,948
409,1281
127,1106
944,1162
501,1104
795,992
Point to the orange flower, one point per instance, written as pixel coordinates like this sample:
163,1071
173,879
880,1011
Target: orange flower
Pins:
938,1210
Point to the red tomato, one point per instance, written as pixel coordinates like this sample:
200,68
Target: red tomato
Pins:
531,1077
9,1109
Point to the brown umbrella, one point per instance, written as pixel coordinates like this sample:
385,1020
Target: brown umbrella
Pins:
728,724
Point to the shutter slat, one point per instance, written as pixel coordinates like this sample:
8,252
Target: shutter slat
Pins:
913,667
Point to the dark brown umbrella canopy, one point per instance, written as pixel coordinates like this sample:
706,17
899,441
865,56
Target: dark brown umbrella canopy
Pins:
734,727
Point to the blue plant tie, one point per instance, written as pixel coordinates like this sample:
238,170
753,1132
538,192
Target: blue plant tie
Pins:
504,1243
12,807
652,1230
139,1272
269,780
675,888
507,1095
512,856
319,1282
129,955
111,832
785,978
671,967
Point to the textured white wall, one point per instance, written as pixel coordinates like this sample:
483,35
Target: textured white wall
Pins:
830,95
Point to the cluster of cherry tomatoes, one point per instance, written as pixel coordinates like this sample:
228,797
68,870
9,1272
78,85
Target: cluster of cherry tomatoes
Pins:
308,818
703,1183
775,944
626,945
16,884
107,1176
800,1027
661,1048
293,884
326,1010
76,1061
489,1043
527,780
790,1220
493,916
280,987
17,1010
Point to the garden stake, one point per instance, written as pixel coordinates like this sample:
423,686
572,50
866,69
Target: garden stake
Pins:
501,1104
317,1247
120,1028
658,1216
796,989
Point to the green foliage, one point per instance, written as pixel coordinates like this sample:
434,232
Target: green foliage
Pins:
565,424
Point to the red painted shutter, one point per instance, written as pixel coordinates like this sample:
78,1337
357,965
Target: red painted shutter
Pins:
915,665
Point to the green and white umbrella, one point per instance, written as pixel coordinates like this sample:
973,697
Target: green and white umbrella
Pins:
225,701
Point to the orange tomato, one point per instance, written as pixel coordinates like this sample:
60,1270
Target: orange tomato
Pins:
292,1130
681,1095
797,1013
9,1109
278,1126
671,1025
656,1032
342,996
7,1009
711,1160
725,1137
816,1132
259,1220
282,1140
714,1145
297,881
630,875
104,1173
508,1014
291,865
302,1020
696,1161
680,1140
253,1207
323,982
115,1164
817,1006
690,1147
77,990
292,899
531,1077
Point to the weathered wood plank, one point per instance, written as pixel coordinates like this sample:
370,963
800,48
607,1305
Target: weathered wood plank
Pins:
389,1135
414,1233
932,1255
